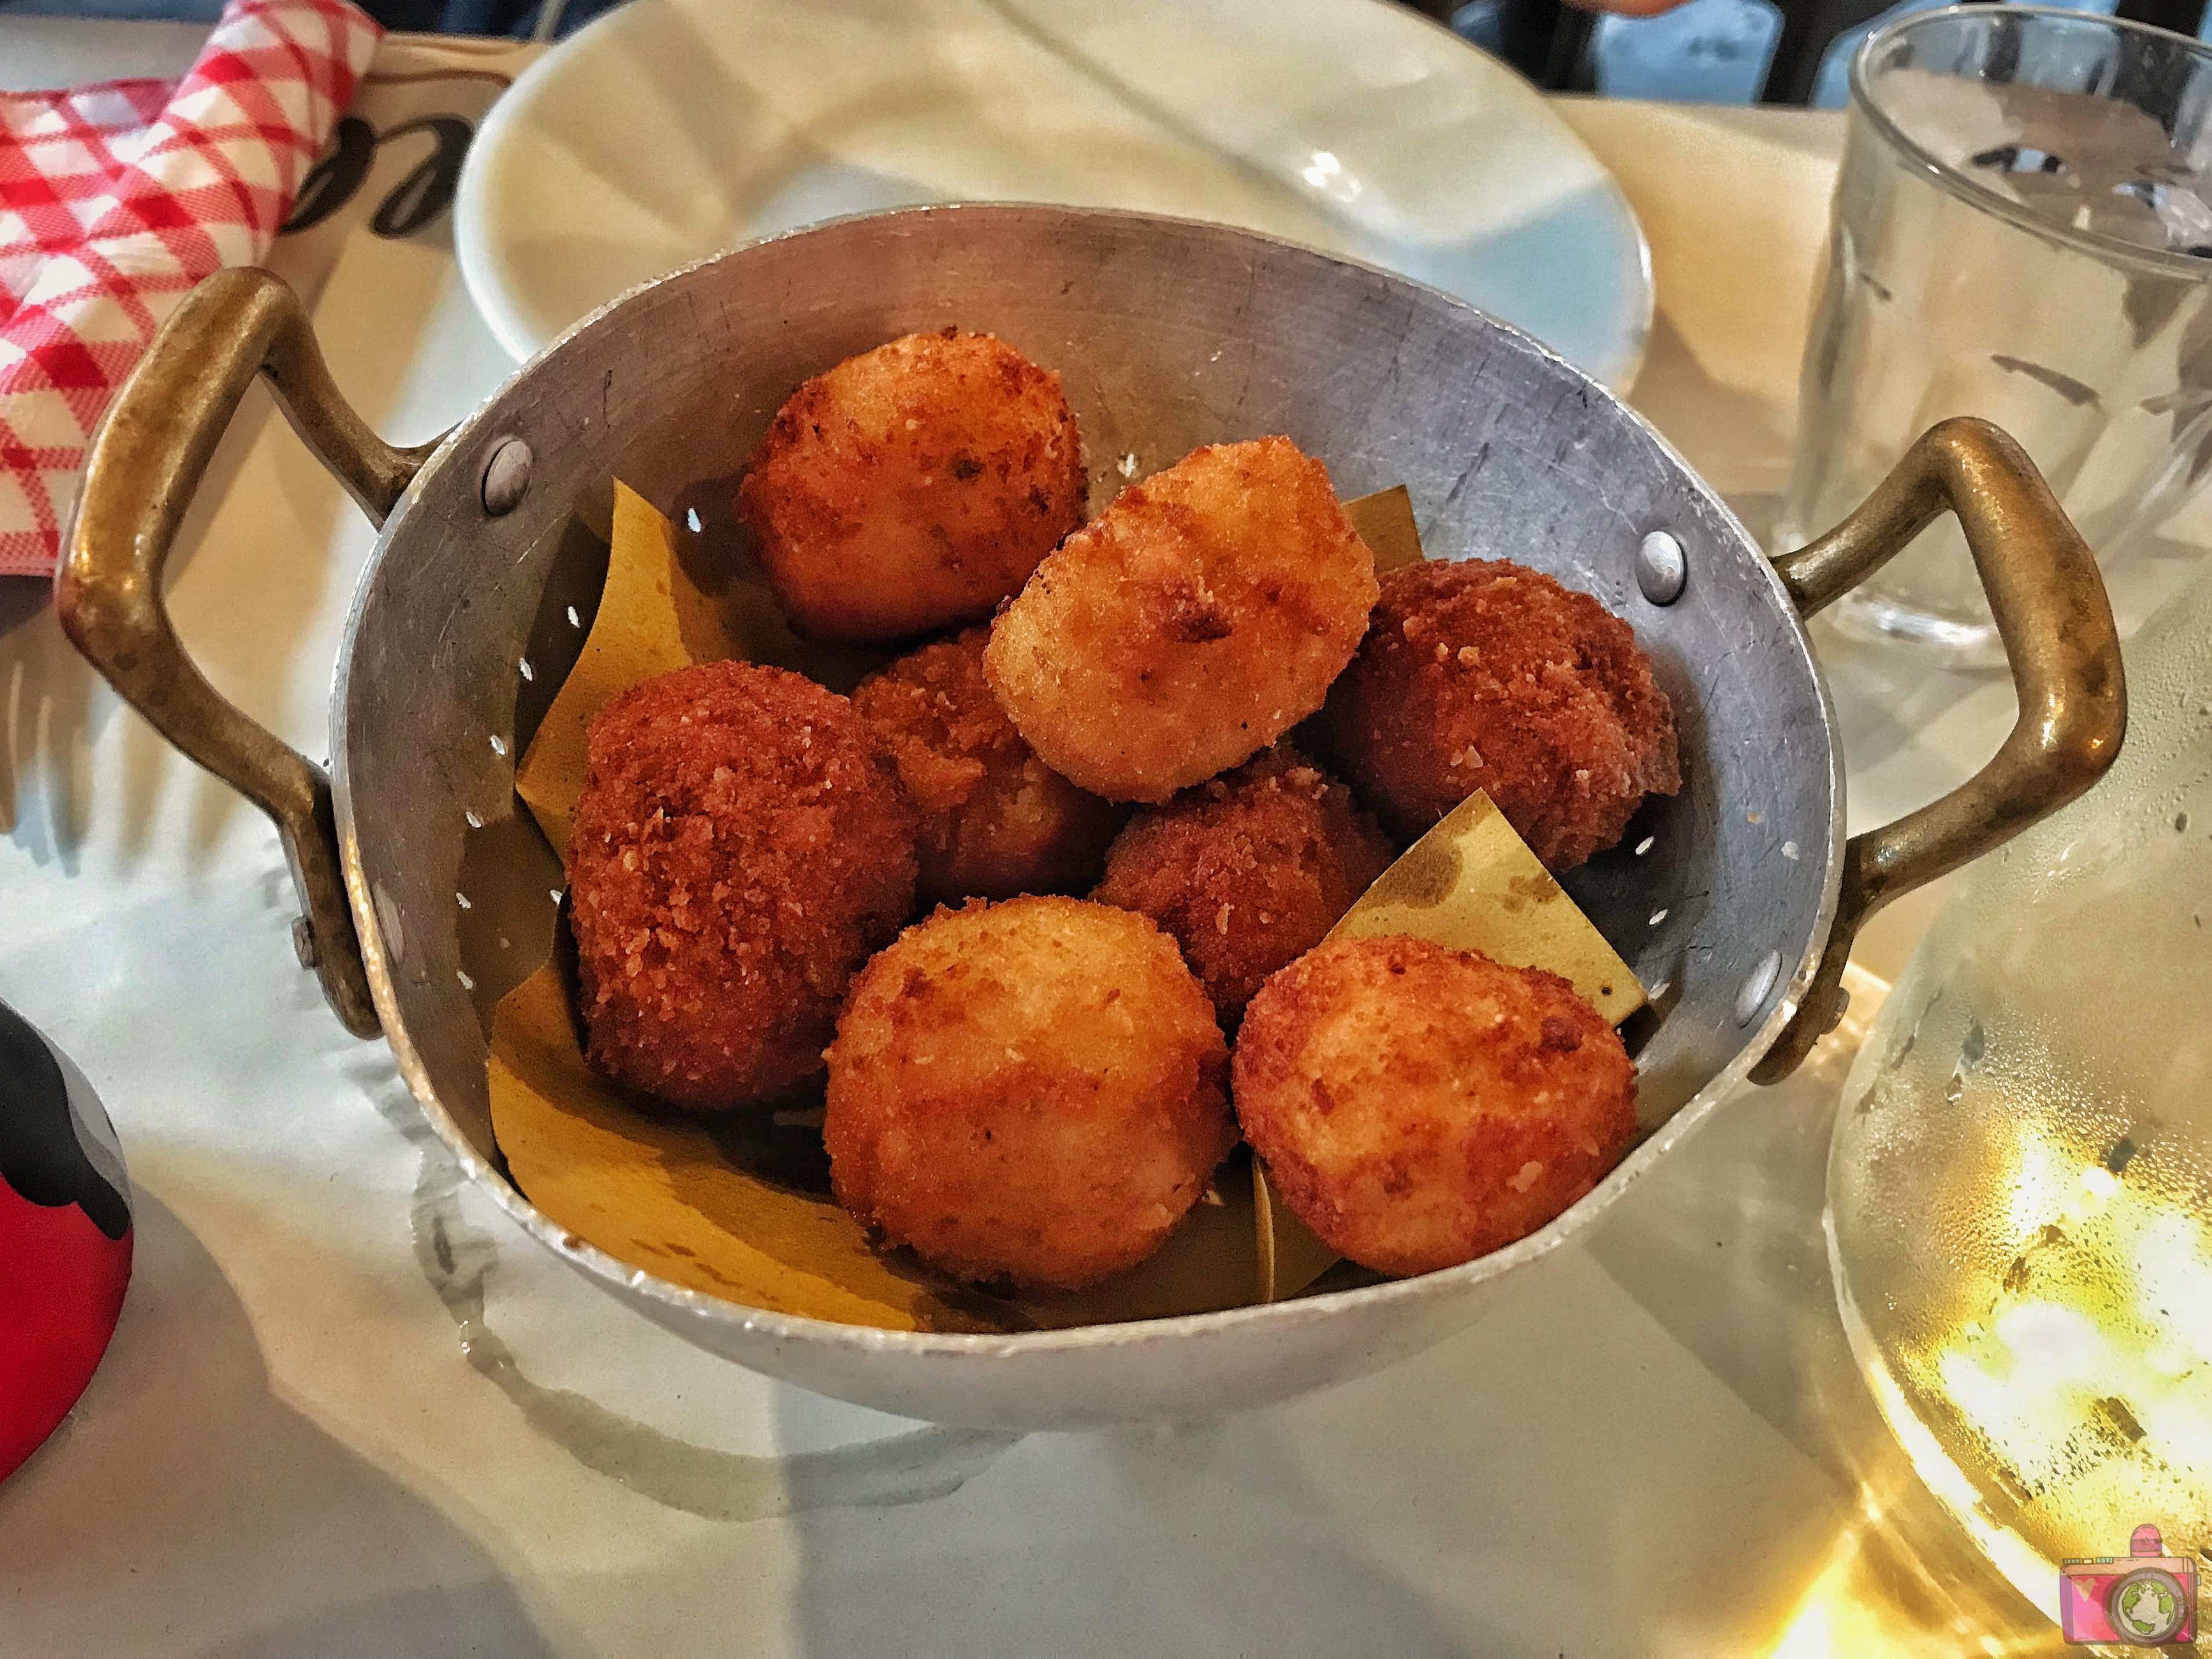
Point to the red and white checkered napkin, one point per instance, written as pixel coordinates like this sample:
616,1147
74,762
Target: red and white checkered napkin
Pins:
115,199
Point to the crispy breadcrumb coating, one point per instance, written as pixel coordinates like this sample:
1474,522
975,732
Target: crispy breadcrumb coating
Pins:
1196,621
913,487
1419,1107
996,821
1488,675
740,846
1248,872
1030,1092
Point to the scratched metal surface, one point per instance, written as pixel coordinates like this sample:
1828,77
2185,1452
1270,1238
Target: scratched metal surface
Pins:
1167,335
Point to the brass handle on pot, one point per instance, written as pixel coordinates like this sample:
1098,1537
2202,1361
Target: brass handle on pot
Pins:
2056,625
147,461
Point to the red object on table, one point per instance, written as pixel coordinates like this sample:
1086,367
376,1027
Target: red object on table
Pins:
65,1237
61,1291
115,199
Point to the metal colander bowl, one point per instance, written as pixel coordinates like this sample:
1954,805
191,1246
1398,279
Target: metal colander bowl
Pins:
1736,899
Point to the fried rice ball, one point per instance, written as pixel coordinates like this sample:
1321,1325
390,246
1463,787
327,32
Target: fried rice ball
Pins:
1248,872
1191,624
995,820
1488,675
1031,1091
1418,1106
913,487
740,846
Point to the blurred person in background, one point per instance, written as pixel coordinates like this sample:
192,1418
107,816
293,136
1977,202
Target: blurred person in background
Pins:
546,18
1717,51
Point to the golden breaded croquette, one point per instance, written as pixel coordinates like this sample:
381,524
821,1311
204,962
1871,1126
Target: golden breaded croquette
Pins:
1488,675
913,487
1248,871
1187,627
1418,1106
995,820
740,846
1030,1091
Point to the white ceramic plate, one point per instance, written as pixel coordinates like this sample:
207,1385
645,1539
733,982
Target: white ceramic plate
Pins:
670,129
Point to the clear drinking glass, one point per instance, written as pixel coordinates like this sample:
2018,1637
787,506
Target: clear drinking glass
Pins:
2019,1186
2022,230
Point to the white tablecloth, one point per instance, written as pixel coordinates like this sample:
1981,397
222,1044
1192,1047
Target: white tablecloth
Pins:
350,1411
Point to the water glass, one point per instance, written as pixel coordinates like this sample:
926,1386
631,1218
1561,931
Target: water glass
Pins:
2022,231
2020,1188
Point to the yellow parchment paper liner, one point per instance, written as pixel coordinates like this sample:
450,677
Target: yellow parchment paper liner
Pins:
726,1207
1471,884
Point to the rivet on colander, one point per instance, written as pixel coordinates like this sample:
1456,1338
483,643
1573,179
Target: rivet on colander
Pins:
1753,997
1662,568
507,477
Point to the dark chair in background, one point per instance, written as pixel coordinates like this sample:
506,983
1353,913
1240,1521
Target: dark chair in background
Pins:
1740,52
